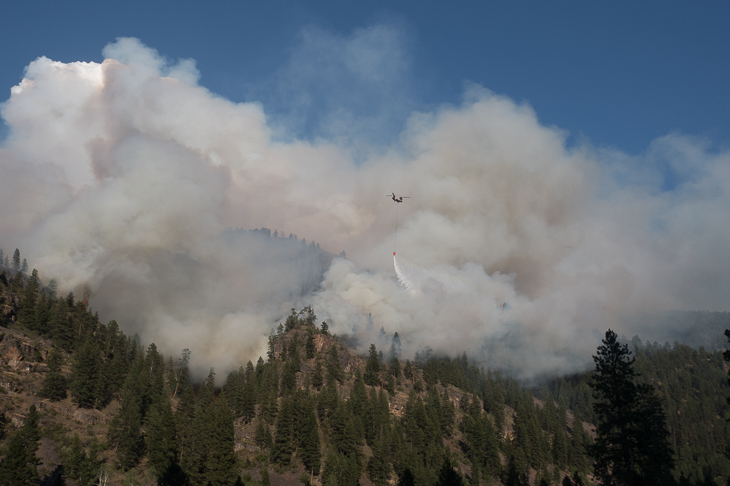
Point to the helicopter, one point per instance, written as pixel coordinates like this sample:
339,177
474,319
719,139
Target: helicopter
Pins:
397,199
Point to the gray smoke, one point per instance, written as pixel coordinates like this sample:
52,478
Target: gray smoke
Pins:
121,178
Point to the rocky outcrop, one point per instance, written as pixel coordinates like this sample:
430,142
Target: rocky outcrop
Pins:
20,352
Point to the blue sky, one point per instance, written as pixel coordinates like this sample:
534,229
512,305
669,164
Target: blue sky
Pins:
617,74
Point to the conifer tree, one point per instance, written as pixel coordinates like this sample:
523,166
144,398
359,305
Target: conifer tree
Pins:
394,368
199,433
492,462
309,347
184,416
16,260
358,395
42,314
161,437
20,465
262,434
249,393
334,367
372,367
284,440
54,384
378,466
271,353
308,436
27,306
578,444
79,465
85,374
317,377
448,476
221,459
289,376
632,444
408,370
125,429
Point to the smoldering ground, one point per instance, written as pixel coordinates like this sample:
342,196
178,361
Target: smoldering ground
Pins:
121,178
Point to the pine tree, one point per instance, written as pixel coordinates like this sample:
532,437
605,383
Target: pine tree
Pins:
199,433
221,460
27,306
161,437
54,384
262,434
284,440
309,347
78,465
16,260
372,367
578,444
317,378
632,444
85,374
248,399
20,465
125,429
308,433
334,367
448,476
378,466
394,368
184,416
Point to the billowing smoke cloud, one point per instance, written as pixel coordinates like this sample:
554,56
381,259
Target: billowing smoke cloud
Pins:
121,178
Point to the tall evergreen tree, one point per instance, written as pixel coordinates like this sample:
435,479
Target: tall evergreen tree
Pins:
20,465
16,260
308,436
448,476
631,445
54,384
284,440
85,374
160,437
334,367
372,367
378,465
317,378
221,459
125,429
309,347
27,306
184,417
262,434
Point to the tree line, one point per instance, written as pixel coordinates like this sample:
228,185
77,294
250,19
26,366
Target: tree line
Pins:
657,410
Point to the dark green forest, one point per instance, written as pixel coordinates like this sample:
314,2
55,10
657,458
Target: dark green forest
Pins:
313,412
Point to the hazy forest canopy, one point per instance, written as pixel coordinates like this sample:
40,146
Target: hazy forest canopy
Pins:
119,179
84,403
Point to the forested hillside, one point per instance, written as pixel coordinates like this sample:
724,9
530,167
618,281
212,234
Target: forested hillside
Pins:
83,403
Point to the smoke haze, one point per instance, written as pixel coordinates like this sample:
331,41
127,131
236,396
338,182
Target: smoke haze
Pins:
121,178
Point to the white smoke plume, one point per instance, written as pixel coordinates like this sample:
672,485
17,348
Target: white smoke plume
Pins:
121,177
